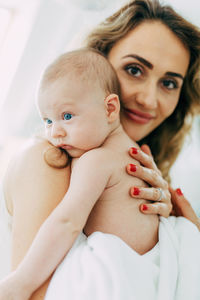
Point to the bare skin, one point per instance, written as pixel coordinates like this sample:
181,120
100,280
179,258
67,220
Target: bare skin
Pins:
36,206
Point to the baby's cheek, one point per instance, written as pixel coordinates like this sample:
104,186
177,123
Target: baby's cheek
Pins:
47,134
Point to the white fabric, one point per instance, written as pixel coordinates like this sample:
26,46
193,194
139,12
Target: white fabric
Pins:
5,237
103,267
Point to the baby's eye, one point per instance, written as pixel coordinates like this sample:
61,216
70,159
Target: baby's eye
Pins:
134,71
170,84
67,116
48,121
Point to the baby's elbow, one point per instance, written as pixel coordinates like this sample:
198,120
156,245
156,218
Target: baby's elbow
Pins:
72,226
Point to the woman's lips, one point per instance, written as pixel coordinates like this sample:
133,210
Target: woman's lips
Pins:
137,116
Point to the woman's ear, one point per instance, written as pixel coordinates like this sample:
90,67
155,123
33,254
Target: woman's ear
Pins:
112,105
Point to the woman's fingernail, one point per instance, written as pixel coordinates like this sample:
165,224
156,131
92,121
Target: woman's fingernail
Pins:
144,207
179,192
136,191
133,167
134,150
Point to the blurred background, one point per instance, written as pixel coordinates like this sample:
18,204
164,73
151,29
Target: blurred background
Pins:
33,33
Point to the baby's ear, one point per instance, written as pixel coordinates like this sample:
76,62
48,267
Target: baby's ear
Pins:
112,105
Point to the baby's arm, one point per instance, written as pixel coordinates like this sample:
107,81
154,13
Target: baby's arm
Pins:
59,231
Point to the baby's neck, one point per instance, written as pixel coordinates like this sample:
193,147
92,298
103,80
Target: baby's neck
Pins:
116,138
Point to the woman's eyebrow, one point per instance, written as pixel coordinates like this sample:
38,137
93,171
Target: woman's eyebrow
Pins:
141,59
175,75
150,65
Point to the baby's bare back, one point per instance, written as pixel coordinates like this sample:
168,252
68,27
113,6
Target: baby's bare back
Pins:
116,212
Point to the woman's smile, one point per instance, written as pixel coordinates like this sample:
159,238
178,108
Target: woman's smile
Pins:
138,116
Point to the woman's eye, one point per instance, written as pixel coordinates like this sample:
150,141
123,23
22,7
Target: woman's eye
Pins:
134,71
48,121
67,116
169,84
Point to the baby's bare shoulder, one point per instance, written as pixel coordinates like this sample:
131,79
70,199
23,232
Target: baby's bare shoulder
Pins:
101,155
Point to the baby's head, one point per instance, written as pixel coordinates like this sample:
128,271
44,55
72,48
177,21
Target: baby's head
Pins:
77,99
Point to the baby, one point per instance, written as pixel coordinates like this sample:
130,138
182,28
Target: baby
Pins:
78,101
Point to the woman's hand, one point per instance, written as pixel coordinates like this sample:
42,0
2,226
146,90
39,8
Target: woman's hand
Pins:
159,190
182,207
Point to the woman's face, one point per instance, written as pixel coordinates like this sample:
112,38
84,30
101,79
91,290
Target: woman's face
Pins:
151,63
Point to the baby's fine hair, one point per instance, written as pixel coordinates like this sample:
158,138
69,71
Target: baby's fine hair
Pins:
85,65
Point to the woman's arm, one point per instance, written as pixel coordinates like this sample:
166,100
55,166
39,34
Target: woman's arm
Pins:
33,190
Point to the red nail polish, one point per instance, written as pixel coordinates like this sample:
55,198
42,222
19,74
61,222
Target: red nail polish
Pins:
134,150
136,191
133,168
179,192
144,207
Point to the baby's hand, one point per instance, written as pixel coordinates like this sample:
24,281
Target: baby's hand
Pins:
10,289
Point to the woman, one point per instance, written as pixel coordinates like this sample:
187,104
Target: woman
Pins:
153,93
120,35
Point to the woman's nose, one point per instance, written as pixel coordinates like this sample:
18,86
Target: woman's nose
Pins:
57,130
148,96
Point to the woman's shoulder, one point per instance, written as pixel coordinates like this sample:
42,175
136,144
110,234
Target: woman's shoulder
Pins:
32,155
28,172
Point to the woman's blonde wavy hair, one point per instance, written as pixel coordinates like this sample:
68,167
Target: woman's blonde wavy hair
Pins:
166,140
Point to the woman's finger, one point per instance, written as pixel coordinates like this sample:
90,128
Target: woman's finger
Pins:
153,194
150,176
157,208
182,207
146,149
145,159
